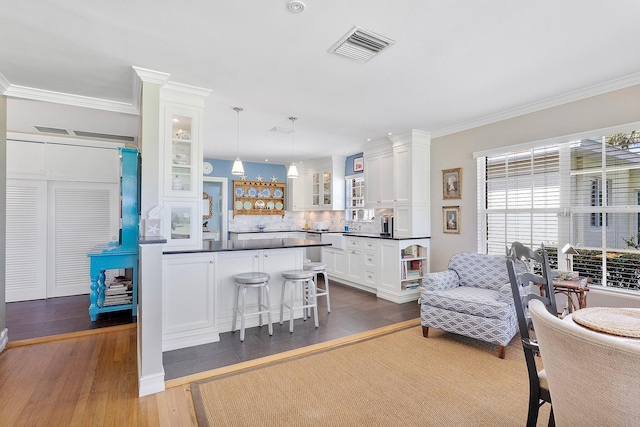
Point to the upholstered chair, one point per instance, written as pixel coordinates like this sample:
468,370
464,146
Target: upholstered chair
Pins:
472,298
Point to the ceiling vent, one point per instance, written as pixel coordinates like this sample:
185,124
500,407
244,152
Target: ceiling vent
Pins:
279,129
57,131
361,45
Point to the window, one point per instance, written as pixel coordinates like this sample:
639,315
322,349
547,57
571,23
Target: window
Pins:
355,200
557,194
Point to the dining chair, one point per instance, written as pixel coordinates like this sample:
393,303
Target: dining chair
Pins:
593,376
524,290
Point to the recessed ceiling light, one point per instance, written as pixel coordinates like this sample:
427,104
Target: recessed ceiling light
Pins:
266,160
368,139
390,133
296,6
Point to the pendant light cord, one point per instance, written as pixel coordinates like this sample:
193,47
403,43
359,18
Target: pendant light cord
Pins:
237,110
293,138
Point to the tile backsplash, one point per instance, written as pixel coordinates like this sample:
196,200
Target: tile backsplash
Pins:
335,220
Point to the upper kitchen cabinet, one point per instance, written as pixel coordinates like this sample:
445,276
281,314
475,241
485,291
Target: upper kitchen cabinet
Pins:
183,152
411,166
181,130
320,187
378,175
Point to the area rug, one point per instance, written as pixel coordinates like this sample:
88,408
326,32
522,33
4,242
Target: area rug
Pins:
398,379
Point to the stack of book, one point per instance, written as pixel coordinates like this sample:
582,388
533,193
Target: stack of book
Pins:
118,292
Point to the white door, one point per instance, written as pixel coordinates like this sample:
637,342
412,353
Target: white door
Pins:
81,216
26,253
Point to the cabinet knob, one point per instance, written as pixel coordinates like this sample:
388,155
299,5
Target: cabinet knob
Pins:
255,256
211,262
266,256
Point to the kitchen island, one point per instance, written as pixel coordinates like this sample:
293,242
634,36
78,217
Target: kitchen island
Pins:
198,285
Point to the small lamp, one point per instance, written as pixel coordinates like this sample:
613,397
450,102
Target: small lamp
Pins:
237,168
567,250
293,170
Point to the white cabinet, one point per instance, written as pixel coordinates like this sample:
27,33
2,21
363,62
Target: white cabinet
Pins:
405,263
378,172
181,133
188,300
324,183
354,265
369,264
336,262
411,160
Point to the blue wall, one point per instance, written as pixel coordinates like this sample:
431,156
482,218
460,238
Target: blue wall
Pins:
348,165
222,168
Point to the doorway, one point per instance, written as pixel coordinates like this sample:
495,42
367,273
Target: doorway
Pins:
215,228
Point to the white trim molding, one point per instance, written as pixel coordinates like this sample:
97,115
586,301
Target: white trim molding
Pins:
576,95
4,339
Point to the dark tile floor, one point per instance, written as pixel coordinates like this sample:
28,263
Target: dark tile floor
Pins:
352,311
53,316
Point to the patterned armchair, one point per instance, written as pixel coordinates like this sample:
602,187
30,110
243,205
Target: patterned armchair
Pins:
472,298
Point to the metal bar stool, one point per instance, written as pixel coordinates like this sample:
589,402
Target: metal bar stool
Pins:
319,267
258,281
304,281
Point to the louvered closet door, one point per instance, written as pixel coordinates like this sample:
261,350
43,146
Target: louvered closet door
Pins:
26,256
81,216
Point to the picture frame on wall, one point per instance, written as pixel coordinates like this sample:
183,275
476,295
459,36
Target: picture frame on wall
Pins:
358,164
452,183
451,219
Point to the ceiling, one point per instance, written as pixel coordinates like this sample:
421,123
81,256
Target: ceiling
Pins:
454,63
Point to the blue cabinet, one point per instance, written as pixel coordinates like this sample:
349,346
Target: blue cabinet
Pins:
121,256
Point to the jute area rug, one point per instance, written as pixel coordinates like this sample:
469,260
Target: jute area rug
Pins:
398,379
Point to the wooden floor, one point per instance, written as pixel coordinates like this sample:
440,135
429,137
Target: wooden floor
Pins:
92,380
85,381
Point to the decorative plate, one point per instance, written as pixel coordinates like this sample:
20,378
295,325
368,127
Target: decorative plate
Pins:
270,205
239,192
266,192
259,204
252,192
279,206
238,205
247,205
277,193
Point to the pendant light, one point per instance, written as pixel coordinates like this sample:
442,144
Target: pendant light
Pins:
293,170
238,168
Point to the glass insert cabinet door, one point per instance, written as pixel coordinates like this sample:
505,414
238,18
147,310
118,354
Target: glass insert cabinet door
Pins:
181,153
315,189
181,221
326,191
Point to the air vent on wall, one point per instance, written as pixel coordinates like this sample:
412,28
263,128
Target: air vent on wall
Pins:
105,136
361,45
56,131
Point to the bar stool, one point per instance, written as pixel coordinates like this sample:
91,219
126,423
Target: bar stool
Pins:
304,281
319,267
259,281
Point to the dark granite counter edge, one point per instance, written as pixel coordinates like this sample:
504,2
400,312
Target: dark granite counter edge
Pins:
377,236
249,245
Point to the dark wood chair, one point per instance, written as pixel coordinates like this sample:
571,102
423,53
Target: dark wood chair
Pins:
524,290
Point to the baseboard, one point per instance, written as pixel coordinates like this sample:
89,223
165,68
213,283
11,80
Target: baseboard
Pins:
151,384
4,339
179,340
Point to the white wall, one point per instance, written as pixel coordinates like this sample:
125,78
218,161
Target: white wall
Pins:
3,210
456,150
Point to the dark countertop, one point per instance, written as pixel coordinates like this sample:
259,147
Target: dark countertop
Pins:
249,245
284,231
377,236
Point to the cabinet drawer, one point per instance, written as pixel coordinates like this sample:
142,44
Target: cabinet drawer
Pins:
354,243
370,277
369,259
369,245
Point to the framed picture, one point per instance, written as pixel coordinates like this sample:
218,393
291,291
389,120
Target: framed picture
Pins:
451,219
358,164
452,183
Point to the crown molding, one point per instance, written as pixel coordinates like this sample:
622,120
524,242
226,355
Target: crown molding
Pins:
576,95
151,76
183,89
4,84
